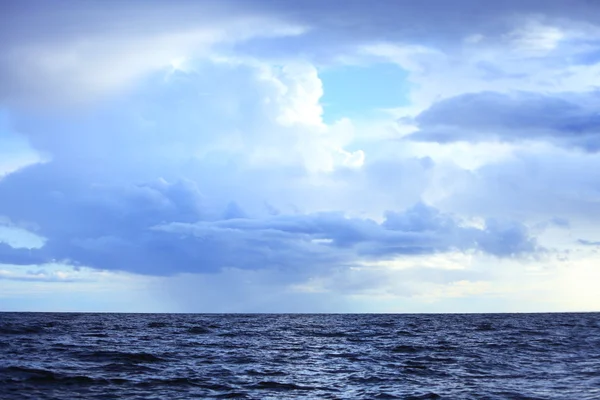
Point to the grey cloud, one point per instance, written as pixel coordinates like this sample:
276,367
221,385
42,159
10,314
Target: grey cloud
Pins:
342,19
569,120
533,184
560,222
501,237
247,291
79,49
419,230
430,22
588,242
86,50
10,255
39,275
99,203
399,282
161,228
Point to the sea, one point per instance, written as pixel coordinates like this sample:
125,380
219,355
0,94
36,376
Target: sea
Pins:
299,356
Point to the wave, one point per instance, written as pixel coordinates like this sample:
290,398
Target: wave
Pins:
54,357
426,396
231,395
384,395
403,348
368,379
40,376
157,324
280,386
253,372
95,335
21,330
485,327
117,356
198,330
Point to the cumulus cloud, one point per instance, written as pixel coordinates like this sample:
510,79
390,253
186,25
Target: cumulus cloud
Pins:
161,191
188,139
117,173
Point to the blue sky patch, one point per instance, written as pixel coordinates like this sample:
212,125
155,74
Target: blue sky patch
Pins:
358,91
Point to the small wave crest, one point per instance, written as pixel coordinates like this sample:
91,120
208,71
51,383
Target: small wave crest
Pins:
40,376
198,330
9,329
404,348
157,324
272,385
117,356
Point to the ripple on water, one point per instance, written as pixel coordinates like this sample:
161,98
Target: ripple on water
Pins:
58,356
117,356
198,330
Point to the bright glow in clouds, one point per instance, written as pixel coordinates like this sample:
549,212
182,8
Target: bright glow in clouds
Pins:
15,152
271,156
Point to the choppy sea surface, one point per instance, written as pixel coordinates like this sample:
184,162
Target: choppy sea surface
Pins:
178,356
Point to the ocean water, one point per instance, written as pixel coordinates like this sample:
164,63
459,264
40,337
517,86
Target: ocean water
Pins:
176,356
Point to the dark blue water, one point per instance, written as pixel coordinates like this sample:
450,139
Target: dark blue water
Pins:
125,356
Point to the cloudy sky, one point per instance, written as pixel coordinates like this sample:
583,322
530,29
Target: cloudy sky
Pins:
300,156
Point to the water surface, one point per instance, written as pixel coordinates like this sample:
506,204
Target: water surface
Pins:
178,356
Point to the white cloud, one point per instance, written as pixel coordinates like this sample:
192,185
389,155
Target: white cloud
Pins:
88,64
19,238
211,128
535,38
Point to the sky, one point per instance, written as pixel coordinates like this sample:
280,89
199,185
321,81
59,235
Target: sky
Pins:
308,156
